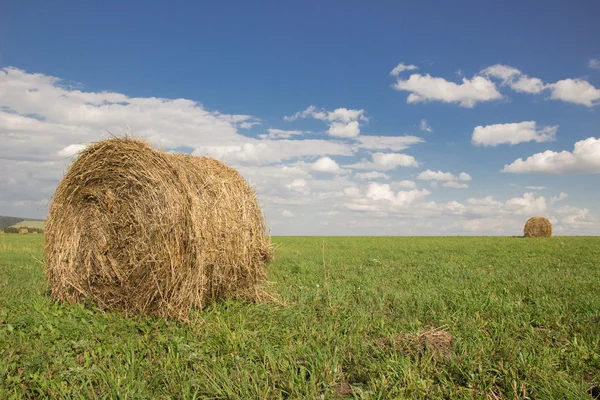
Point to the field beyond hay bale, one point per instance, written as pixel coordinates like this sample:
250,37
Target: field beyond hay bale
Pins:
538,227
142,231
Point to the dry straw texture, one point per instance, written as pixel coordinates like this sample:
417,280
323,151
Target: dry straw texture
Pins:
23,231
538,227
142,231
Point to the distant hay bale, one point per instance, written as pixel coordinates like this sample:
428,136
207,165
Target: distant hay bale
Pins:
142,231
538,227
23,231
34,233
1,233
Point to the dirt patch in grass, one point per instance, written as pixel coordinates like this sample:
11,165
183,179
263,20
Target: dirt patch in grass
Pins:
343,390
435,340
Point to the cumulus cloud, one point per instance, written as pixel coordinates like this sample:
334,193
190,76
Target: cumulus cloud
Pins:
405,184
560,197
398,69
430,175
299,186
425,126
326,164
576,91
455,185
393,143
261,152
424,88
512,133
71,150
515,79
584,159
280,134
371,175
450,180
386,161
377,191
342,122
344,130
594,64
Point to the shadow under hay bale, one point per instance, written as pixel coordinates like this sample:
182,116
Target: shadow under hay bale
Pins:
142,231
538,227
23,231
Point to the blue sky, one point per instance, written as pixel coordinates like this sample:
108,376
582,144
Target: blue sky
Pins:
522,71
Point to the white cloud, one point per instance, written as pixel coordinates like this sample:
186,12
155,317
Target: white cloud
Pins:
287,213
299,186
377,191
558,198
512,133
430,175
576,91
455,185
504,72
340,129
326,164
386,161
585,158
71,150
260,152
528,204
528,85
393,143
425,126
425,88
463,176
594,64
343,122
301,114
398,69
371,175
280,134
405,184
450,180
535,187
248,125
515,79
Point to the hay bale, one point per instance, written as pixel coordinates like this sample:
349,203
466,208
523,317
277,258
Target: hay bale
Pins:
23,231
1,233
142,231
538,227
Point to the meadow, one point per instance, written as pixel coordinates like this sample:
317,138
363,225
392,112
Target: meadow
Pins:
357,317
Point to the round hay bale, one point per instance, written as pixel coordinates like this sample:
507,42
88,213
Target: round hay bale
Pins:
1,233
142,231
23,231
538,227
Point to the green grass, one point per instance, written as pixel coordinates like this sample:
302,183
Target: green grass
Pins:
524,313
30,224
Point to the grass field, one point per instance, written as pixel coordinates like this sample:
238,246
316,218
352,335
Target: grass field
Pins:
30,224
374,322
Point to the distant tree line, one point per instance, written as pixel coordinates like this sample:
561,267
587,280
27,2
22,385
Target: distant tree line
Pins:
14,229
